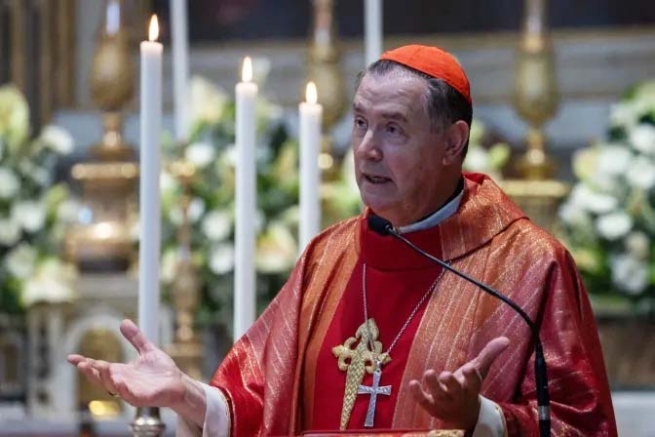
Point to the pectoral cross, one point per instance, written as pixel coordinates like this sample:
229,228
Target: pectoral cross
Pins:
358,360
374,391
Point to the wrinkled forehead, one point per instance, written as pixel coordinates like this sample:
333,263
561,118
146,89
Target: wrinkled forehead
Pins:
394,91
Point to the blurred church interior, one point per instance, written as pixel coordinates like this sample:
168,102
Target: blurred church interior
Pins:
558,86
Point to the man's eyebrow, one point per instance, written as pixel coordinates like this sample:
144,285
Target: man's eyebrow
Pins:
391,115
398,116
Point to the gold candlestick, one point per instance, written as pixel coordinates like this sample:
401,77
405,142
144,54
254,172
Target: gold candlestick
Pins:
186,350
112,85
536,96
324,69
109,181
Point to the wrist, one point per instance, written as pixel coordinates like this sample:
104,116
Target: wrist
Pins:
193,403
472,419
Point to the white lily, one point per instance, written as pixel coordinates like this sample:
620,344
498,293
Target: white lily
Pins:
31,215
217,225
20,261
629,274
10,232
614,225
51,284
8,183
642,137
58,139
221,258
200,154
641,173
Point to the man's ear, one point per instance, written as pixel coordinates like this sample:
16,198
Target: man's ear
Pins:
457,136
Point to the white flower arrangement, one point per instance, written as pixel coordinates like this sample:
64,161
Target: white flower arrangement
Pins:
483,158
608,220
34,212
211,208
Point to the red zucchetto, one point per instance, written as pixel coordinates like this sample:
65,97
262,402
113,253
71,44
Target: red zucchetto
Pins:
433,62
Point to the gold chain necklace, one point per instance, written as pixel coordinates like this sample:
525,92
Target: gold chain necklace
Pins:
375,389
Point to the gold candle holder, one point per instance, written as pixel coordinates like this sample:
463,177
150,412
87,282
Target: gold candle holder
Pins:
186,350
109,179
324,69
536,99
112,84
536,95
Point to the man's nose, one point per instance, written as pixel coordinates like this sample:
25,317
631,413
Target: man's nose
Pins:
369,148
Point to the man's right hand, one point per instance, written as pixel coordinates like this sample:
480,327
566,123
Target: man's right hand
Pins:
152,379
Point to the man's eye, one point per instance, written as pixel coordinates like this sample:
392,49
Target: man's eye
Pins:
359,123
393,129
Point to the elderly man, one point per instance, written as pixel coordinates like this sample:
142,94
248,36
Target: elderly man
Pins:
367,333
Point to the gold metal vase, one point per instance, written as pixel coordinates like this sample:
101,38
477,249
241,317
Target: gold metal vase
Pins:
109,179
536,100
324,69
536,93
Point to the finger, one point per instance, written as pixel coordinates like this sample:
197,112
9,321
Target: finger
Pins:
434,387
75,359
489,353
472,379
420,396
135,337
450,384
104,371
87,367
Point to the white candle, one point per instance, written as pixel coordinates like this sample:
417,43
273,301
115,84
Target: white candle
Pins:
373,31
245,203
180,46
310,176
150,163
113,17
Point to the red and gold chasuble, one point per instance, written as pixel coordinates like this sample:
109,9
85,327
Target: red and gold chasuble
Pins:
397,279
273,378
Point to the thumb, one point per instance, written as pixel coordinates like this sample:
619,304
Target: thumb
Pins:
489,353
132,334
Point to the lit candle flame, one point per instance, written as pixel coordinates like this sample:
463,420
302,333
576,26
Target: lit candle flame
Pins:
153,31
246,72
311,96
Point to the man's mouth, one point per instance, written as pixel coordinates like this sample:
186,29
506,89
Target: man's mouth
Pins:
376,179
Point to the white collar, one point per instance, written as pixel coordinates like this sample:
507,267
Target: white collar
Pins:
435,218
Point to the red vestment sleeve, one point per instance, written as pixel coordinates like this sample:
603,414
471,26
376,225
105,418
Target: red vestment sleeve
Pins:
257,375
580,400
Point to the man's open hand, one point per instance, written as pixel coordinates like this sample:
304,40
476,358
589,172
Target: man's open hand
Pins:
152,379
454,397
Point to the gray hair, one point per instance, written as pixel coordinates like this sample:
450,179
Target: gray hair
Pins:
444,104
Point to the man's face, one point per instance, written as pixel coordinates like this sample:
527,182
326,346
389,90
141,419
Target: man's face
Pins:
399,159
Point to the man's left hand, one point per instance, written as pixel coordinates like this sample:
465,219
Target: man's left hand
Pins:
454,397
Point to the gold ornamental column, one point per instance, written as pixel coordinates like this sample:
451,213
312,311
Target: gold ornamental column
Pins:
324,69
536,98
103,240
